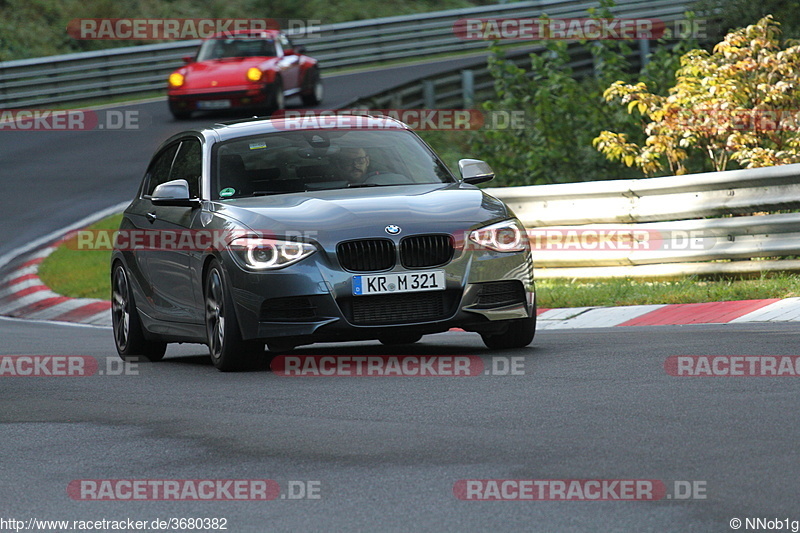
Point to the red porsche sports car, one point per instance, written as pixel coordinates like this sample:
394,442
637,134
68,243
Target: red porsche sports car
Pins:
253,70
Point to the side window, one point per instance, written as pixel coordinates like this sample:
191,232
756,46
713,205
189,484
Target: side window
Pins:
189,165
159,169
285,43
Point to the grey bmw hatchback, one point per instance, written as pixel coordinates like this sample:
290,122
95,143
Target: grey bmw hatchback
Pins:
288,232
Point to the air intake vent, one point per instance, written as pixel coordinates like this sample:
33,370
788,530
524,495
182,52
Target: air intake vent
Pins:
292,309
368,255
499,294
399,308
420,251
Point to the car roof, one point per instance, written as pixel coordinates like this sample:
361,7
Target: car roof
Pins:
243,128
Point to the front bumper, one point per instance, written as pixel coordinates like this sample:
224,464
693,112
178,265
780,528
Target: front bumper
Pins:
211,99
312,301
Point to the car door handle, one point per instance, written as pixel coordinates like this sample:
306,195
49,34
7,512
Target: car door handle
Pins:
151,217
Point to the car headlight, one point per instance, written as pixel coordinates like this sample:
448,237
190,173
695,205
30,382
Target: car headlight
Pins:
254,74
506,236
176,79
269,254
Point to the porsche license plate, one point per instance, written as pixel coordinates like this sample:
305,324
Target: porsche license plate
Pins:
432,280
213,104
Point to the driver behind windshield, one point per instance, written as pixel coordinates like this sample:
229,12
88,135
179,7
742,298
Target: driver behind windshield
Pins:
353,164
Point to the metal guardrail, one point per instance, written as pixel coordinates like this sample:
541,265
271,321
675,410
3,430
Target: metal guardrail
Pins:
143,69
660,227
461,88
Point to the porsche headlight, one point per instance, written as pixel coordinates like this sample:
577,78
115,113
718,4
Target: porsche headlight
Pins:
269,254
254,74
176,79
506,236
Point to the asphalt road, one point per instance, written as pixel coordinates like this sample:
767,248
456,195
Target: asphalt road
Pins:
386,451
381,453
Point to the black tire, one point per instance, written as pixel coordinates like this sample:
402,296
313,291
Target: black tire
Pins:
400,338
180,114
520,333
229,352
314,89
128,332
276,101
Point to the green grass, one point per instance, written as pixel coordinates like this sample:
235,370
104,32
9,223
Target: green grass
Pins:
80,273
566,293
85,274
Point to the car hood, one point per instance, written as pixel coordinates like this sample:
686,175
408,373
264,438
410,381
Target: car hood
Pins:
225,72
335,215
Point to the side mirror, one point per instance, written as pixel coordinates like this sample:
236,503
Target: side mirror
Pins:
299,49
475,171
173,193
188,59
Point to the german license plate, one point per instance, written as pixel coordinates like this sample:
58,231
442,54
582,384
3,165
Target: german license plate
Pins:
213,104
389,283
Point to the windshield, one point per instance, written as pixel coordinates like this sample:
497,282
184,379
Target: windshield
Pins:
230,48
311,160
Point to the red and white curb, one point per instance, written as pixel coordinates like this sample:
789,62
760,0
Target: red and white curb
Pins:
771,310
24,295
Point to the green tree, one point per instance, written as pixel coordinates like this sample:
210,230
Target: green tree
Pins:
736,105
564,108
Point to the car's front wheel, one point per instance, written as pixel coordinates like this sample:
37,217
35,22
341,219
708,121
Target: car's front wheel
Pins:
179,114
225,344
276,100
520,333
314,89
128,333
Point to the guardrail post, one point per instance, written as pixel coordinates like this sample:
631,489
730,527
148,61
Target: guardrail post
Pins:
428,94
644,52
468,88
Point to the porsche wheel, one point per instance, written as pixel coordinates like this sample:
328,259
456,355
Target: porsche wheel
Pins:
276,100
179,114
314,88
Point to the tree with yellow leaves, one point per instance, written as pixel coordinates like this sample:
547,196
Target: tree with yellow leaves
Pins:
739,104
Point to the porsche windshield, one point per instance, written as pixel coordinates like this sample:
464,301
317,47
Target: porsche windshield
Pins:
310,160
233,48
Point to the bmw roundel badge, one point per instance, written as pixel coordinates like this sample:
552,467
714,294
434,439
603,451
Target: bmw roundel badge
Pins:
391,229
